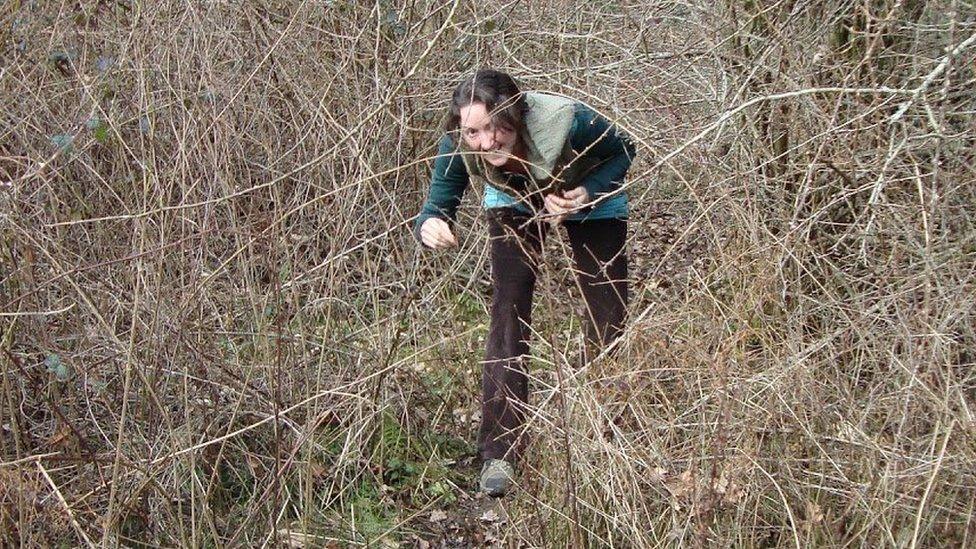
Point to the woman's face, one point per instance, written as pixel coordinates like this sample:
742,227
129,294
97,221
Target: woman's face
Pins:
481,133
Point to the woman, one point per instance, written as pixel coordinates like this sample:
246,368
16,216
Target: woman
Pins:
542,159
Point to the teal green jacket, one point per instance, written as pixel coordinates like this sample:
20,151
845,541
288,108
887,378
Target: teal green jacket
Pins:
568,145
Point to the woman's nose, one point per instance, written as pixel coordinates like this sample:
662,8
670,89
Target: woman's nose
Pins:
487,141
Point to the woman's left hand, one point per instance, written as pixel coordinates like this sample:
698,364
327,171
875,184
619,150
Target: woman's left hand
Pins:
566,204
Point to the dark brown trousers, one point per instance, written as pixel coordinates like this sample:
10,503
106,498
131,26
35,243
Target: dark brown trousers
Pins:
600,260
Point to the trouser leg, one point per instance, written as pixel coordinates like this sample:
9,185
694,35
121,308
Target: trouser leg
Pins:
514,260
599,251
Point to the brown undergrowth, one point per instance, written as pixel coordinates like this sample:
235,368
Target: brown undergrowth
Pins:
217,330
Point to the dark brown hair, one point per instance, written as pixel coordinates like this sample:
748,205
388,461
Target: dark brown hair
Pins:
497,91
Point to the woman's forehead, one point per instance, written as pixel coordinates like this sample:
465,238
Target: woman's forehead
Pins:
474,115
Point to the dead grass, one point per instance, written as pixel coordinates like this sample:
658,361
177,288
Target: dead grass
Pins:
218,331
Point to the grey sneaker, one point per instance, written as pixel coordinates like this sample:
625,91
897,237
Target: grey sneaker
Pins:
497,476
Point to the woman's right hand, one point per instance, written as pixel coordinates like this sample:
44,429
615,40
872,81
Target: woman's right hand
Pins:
436,233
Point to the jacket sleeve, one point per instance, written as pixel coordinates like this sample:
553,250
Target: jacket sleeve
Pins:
448,182
602,141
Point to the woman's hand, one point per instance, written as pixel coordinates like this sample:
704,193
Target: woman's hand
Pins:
436,233
566,204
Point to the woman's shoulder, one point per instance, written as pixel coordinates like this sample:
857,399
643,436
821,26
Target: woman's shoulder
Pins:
583,116
448,145
449,159
446,142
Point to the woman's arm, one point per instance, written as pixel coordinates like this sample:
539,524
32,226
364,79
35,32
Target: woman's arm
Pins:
601,140
447,184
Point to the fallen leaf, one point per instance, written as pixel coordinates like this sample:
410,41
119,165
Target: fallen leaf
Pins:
490,516
657,474
727,488
683,485
438,515
721,484
318,470
59,437
814,513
